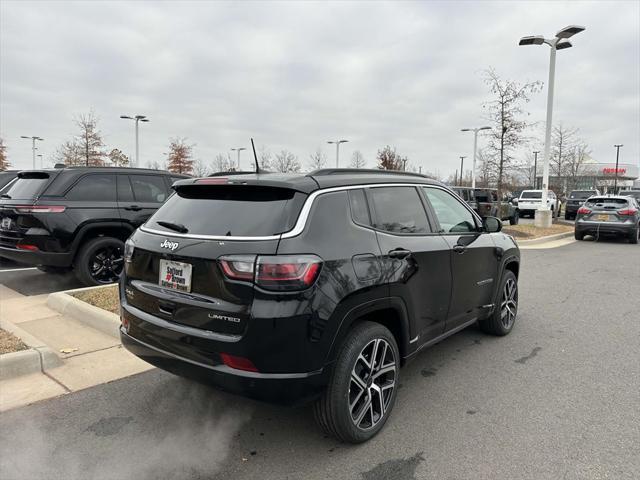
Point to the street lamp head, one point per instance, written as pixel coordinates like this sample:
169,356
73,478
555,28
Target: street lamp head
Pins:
24,136
140,117
343,141
618,146
38,138
570,31
532,40
563,44
144,119
465,129
484,128
126,117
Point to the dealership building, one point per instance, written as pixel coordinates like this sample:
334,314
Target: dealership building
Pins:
594,175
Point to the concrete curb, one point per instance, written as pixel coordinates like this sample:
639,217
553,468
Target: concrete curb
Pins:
97,318
548,238
38,358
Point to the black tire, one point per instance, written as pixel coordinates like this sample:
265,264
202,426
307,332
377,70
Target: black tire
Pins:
633,236
578,235
107,252
513,220
501,321
334,411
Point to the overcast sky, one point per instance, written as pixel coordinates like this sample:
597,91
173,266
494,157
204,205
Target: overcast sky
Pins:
296,74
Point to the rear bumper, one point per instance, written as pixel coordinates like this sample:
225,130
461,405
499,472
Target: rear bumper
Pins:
37,258
280,388
604,228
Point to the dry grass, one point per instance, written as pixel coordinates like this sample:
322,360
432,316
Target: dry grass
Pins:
106,298
10,343
529,232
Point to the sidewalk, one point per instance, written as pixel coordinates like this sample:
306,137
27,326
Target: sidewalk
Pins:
93,357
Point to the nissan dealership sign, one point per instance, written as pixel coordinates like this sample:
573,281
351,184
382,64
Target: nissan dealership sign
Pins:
625,170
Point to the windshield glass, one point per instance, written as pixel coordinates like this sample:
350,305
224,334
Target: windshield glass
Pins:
531,194
581,194
230,210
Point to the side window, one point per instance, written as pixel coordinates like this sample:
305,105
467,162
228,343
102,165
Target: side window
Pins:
399,210
359,207
125,194
451,213
94,188
149,188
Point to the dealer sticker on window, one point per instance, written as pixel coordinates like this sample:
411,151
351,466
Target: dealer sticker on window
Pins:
175,275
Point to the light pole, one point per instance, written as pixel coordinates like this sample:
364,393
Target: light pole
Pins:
535,169
615,181
475,150
33,147
137,118
559,42
337,144
239,149
461,168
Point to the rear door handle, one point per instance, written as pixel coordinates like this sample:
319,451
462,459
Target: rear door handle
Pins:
459,248
135,208
399,253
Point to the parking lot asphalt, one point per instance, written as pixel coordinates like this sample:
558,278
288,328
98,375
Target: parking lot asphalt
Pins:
28,280
556,399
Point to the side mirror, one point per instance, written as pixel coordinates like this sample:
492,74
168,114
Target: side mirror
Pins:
492,224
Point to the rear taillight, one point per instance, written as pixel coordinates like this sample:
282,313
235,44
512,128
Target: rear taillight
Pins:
25,246
627,212
584,211
239,363
40,208
273,272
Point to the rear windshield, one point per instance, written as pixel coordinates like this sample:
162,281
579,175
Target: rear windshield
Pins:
230,210
605,201
531,195
27,186
581,194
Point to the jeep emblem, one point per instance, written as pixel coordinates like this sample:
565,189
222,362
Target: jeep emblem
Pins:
170,245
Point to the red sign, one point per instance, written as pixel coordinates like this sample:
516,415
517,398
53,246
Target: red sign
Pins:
613,171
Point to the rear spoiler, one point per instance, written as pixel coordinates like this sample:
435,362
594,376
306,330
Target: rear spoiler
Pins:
303,184
33,174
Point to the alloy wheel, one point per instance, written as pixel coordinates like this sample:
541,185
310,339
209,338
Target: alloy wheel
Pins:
373,379
509,304
106,264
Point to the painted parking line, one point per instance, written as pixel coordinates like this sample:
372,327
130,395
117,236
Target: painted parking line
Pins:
18,269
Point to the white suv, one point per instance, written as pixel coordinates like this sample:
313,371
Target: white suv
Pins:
530,201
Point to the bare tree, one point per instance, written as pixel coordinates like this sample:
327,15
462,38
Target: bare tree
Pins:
575,163
389,159
357,160
179,157
317,160
89,141
199,169
117,158
156,165
69,153
563,143
4,161
506,113
285,161
264,158
223,163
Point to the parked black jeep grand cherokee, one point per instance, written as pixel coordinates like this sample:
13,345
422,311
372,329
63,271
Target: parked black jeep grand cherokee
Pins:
78,217
319,287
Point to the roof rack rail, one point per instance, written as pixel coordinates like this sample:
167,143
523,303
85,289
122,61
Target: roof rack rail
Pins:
364,171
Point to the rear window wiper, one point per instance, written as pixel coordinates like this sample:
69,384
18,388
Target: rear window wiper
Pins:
176,227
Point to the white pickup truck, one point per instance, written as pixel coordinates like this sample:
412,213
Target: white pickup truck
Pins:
530,201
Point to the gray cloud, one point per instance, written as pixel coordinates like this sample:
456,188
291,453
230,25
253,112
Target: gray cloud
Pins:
294,75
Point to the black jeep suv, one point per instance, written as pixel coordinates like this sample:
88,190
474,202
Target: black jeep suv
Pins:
317,287
78,217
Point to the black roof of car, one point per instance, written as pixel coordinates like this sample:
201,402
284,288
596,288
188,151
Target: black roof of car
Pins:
318,179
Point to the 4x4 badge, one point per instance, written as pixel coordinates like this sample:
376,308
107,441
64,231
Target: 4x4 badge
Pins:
170,245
